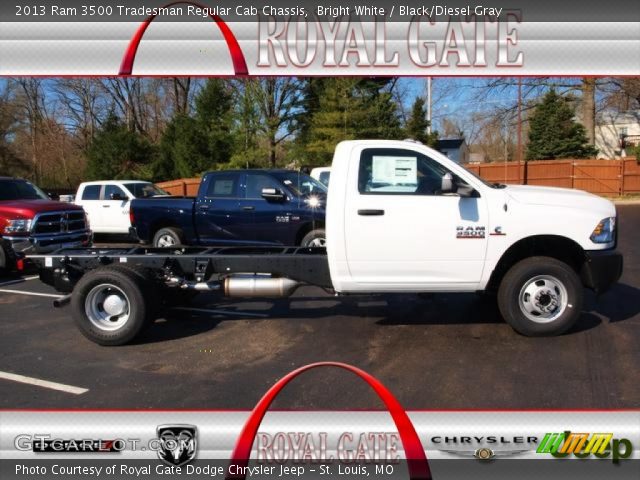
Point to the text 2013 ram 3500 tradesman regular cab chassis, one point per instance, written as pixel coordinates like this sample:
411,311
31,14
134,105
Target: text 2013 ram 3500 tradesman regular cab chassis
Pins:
401,217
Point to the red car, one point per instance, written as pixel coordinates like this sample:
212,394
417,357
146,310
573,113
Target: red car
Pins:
30,222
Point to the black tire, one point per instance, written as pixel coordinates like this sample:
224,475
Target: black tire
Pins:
540,296
315,238
168,237
7,259
3,260
139,292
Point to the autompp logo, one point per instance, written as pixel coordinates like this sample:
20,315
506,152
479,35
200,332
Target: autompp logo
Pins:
178,444
585,445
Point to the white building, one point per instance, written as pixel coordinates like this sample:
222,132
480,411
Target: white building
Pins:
616,133
454,148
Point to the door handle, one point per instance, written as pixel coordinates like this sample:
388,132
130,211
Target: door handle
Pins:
248,208
370,213
203,207
106,206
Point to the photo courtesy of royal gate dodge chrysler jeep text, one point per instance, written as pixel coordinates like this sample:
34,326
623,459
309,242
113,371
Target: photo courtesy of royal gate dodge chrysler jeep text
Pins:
400,217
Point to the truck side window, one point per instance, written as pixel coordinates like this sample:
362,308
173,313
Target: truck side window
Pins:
113,189
223,186
255,184
91,192
397,171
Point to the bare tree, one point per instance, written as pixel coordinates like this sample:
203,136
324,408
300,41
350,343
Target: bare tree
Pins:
84,107
277,99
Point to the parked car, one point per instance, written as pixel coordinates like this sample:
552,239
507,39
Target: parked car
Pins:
242,207
30,222
107,202
322,174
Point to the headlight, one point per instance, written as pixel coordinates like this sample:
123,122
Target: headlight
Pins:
605,231
17,226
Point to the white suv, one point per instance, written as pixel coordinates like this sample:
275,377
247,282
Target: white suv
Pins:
107,202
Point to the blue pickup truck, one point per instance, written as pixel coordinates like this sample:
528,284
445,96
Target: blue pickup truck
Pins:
237,207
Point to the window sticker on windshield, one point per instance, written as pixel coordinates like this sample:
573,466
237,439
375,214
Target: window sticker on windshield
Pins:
394,170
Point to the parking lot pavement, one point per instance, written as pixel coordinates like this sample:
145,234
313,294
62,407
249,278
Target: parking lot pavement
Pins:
433,352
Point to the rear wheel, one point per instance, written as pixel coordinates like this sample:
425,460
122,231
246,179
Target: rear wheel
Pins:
315,238
540,296
167,237
111,305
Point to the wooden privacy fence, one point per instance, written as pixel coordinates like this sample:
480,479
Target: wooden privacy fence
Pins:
185,187
602,177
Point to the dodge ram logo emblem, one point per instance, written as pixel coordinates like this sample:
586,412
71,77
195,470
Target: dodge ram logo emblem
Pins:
177,443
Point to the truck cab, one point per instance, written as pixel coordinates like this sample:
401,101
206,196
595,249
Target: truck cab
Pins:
438,227
261,207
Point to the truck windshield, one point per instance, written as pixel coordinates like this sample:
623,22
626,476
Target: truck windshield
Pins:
20,190
144,190
301,184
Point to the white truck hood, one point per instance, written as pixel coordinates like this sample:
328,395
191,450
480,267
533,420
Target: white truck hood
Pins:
561,197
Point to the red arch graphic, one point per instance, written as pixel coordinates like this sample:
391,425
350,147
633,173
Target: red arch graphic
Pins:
237,57
415,455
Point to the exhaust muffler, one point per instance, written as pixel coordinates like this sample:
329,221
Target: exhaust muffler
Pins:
259,286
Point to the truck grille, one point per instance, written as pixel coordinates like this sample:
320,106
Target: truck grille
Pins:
59,222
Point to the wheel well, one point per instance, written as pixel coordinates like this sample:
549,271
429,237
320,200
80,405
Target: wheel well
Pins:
306,228
560,248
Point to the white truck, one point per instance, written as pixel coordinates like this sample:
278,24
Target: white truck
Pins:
401,217
107,202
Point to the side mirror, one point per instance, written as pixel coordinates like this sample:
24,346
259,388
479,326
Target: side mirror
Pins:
116,196
273,194
447,184
466,190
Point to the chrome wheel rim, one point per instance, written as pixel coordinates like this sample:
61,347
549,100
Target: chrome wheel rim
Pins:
107,307
318,242
543,299
166,241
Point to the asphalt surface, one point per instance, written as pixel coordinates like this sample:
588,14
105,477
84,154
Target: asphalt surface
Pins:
432,352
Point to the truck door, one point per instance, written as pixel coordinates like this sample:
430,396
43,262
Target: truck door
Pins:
89,200
219,218
272,220
402,233
115,209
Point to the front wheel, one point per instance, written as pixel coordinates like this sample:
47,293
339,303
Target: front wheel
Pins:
540,296
315,238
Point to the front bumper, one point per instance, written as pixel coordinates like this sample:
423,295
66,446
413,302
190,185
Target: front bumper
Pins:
49,243
601,269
